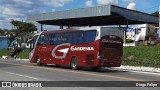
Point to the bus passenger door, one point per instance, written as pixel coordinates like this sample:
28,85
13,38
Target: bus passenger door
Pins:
44,53
42,48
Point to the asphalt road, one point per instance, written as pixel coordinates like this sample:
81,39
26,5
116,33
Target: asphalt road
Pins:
17,70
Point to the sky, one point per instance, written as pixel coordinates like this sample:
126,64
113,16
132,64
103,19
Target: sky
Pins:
19,9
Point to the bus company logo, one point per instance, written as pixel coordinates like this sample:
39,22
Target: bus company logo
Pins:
81,48
65,50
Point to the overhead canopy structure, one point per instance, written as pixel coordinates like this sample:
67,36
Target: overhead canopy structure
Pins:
94,16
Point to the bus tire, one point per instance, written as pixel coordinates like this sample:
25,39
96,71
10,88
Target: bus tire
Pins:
38,61
57,66
15,56
95,68
74,64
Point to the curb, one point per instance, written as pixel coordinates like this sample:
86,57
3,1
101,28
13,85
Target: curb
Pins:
139,68
22,59
7,57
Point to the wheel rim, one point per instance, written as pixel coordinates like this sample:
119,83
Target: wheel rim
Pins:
38,60
14,57
74,63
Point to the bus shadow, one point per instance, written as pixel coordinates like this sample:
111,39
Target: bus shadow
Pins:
105,70
102,70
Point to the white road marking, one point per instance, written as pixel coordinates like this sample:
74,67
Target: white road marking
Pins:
152,73
146,72
22,75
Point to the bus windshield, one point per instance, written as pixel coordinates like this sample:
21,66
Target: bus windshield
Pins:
33,42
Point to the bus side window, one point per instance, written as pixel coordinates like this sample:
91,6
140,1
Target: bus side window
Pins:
77,38
67,38
47,39
58,39
44,40
40,40
52,40
89,36
33,42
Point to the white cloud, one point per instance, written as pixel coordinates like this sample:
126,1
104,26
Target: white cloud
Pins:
53,10
19,9
132,6
43,11
11,12
59,3
23,1
128,0
106,2
89,3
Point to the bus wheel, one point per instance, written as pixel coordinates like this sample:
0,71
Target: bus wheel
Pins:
57,66
38,61
74,64
15,56
95,68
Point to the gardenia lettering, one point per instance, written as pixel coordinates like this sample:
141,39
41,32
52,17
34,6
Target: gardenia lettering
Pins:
81,48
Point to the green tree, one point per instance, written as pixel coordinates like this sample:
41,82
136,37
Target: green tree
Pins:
1,32
156,13
21,29
23,26
11,35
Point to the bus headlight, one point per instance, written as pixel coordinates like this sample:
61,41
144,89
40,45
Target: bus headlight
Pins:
30,55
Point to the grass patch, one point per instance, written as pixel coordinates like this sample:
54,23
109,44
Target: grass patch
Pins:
24,54
4,52
142,56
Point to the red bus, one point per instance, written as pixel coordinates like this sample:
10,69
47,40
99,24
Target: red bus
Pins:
88,47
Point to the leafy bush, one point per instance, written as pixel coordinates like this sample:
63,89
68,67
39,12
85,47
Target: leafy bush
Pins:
129,41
